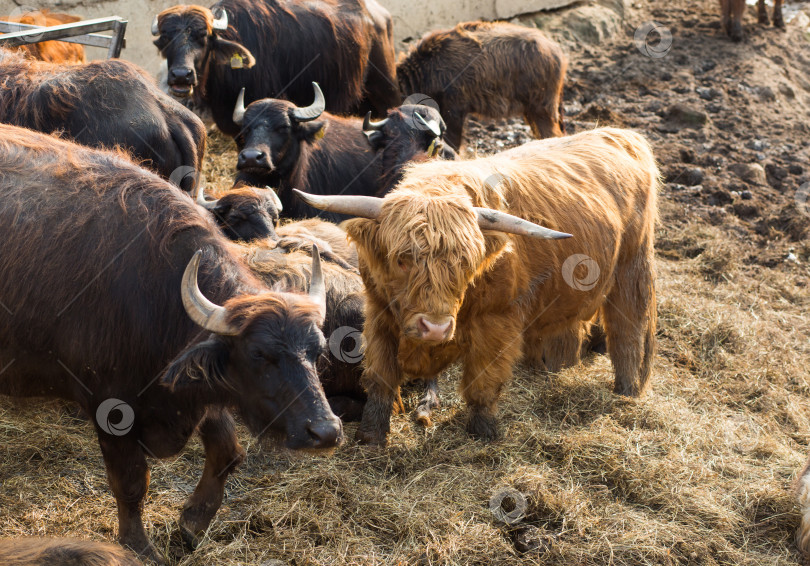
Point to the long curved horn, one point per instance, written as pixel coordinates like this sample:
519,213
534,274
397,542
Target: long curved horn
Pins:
352,205
317,288
239,110
221,23
155,27
433,125
490,219
276,200
207,204
369,126
313,110
202,311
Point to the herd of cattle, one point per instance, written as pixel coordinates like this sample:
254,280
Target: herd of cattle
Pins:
125,284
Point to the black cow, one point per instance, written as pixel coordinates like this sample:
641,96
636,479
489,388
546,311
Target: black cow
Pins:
286,147
102,306
274,48
104,104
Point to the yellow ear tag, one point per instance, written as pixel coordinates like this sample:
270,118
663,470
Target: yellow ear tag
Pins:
431,150
320,133
236,61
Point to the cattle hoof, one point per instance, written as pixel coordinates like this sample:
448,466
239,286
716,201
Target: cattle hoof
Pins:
368,438
190,539
145,550
482,426
779,23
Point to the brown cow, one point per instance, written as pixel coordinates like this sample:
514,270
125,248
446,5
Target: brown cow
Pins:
493,70
445,281
733,11
51,51
35,551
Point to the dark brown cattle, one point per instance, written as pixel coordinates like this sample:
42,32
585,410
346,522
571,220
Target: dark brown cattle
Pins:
51,51
104,104
275,49
492,70
245,213
110,316
33,551
733,11
284,146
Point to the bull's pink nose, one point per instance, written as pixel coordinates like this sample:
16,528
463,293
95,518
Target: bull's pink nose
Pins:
433,332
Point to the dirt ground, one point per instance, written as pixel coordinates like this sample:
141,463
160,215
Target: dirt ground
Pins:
697,472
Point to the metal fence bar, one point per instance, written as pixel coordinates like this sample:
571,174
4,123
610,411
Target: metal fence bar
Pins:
63,31
91,39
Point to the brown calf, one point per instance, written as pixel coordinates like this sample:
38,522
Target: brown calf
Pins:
733,11
51,51
493,70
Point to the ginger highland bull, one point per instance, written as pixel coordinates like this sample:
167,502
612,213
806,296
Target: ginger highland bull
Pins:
451,276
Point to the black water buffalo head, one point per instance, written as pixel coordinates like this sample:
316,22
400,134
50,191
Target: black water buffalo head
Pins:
272,131
245,213
260,358
190,38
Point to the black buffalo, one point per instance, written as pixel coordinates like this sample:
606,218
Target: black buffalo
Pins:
104,104
101,305
286,146
275,49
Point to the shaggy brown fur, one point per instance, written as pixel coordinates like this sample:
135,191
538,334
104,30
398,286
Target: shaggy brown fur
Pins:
493,70
510,296
63,552
103,104
344,45
733,11
102,246
51,51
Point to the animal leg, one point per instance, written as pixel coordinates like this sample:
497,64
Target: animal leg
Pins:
737,11
543,124
762,13
381,380
778,20
629,315
223,454
428,402
128,475
454,134
488,363
562,350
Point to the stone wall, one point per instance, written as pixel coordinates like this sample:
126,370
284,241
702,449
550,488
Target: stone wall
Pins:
412,18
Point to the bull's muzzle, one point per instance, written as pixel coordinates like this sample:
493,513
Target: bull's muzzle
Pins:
321,434
250,158
181,80
430,328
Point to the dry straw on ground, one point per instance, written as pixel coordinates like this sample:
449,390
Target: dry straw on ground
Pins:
697,472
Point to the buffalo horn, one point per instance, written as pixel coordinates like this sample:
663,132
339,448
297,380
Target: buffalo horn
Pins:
239,110
433,125
207,204
312,111
276,200
221,23
317,288
351,205
369,126
155,28
199,309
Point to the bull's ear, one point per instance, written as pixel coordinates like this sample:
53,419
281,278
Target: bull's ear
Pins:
231,53
365,234
312,131
375,139
202,365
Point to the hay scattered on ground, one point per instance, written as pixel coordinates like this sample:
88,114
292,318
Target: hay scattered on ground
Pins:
697,472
